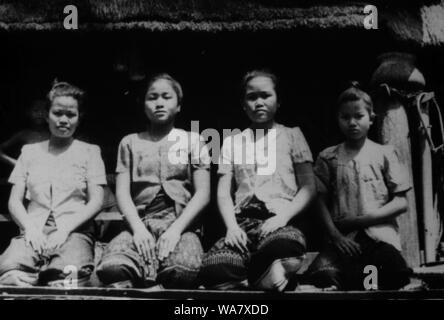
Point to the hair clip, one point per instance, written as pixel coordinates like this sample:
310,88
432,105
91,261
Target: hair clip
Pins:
354,84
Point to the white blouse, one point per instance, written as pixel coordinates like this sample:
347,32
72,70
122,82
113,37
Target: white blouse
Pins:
58,184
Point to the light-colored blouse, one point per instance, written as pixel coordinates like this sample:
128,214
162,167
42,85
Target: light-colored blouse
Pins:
276,153
58,184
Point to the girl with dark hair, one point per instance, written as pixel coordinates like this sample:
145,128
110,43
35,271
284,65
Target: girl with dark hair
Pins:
163,184
362,189
269,168
61,182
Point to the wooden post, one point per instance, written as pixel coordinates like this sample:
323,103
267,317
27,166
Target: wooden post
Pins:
429,213
393,129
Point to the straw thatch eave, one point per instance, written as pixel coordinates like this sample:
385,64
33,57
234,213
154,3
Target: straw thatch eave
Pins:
420,22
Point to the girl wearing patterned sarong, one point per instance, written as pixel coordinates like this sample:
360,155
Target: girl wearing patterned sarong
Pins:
261,243
163,183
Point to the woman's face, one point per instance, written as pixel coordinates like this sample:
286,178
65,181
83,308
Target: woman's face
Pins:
260,101
161,102
63,117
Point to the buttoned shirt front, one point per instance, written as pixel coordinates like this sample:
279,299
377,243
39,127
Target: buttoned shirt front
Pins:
363,183
58,184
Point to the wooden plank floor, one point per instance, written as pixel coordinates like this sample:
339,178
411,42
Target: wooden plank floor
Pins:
163,294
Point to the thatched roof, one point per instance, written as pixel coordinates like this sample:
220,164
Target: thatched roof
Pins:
433,23
419,21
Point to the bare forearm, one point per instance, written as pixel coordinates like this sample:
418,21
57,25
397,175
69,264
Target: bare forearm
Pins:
391,210
225,201
306,192
125,202
360,222
325,217
197,203
17,139
7,159
386,213
91,209
19,214
129,210
301,201
226,208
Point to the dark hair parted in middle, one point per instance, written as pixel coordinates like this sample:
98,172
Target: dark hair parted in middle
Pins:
355,93
65,89
174,84
261,73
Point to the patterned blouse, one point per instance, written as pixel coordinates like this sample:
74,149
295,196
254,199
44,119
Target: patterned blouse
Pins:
166,164
362,183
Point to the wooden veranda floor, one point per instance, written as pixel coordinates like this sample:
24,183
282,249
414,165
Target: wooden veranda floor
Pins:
44,293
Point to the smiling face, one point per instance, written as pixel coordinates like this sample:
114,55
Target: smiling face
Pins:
260,101
354,120
161,102
63,117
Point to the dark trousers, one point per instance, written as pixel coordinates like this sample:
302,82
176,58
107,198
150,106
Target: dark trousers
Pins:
331,267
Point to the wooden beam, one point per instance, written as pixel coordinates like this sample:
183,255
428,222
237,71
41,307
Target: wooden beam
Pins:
393,129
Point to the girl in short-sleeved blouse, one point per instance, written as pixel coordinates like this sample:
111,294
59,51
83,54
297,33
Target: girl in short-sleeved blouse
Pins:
362,189
62,180
273,182
163,183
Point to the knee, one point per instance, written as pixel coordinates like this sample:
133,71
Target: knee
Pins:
282,243
181,268
393,272
7,264
178,277
222,266
188,253
109,272
13,259
286,245
6,267
392,278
